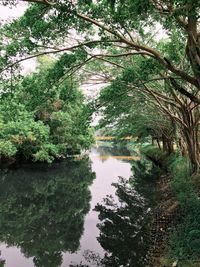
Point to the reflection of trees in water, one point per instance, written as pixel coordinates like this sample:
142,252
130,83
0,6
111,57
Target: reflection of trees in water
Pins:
106,151
123,227
42,210
2,262
124,221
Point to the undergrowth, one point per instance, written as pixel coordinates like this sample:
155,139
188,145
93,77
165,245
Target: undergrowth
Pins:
185,239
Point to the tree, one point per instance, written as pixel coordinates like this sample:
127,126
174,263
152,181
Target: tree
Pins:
41,120
130,112
125,26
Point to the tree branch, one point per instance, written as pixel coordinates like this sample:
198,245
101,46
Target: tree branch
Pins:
54,52
134,44
124,54
183,91
44,2
139,47
166,110
110,62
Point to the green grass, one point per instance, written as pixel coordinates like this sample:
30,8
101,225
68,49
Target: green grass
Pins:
185,239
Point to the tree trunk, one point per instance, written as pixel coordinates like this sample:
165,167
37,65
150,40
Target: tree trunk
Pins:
193,147
190,133
167,144
158,143
182,146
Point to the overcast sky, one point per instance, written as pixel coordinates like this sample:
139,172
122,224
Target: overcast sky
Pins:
8,12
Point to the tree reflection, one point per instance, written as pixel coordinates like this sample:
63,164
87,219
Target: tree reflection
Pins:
124,224
42,210
120,152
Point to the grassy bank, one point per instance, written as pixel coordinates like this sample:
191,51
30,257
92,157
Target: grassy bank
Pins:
184,245
183,236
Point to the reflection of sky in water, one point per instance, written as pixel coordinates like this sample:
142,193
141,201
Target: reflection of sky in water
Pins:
107,171
14,258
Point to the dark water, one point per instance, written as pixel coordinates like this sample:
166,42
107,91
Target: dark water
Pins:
47,216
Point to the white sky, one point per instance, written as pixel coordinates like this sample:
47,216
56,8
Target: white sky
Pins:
7,12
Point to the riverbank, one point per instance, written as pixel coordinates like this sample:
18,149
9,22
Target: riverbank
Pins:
166,216
176,220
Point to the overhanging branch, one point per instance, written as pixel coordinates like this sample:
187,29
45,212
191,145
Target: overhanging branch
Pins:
44,2
183,91
54,51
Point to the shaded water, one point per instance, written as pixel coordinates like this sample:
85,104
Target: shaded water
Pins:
47,216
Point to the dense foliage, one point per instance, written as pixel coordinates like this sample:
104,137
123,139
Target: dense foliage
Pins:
151,47
40,120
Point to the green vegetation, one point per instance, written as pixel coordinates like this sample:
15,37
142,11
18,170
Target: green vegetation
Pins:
41,121
152,92
149,73
185,242
154,154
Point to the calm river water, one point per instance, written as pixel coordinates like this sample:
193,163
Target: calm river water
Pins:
47,216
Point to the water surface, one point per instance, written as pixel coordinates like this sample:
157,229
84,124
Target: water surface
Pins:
47,216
